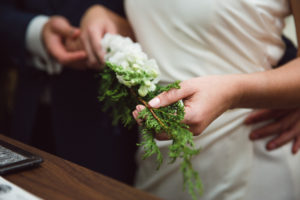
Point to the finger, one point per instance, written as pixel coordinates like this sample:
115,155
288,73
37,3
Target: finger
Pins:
92,61
265,131
135,114
162,136
195,129
263,115
96,36
91,34
95,39
189,116
158,136
62,26
76,33
73,45
58,51
139,108
66,58
171,96
258,116
196,115
198,128
276,127
296,145
136,117
284,138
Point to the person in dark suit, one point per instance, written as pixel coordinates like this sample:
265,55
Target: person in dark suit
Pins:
75,127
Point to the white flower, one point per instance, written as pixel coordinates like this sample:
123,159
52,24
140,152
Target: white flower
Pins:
132,66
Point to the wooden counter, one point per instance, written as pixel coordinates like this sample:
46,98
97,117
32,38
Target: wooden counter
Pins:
58,179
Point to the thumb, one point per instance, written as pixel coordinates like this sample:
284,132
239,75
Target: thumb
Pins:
171,96
61,26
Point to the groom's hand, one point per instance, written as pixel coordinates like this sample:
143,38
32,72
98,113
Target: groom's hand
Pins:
55,33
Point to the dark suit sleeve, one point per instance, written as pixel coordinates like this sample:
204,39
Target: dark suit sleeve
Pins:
290,52
13,25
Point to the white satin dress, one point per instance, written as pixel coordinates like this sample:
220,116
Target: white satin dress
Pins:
191,38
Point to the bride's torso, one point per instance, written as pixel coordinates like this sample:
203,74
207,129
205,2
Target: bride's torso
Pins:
192,38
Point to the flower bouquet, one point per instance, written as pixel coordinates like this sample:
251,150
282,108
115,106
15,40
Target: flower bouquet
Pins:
130,78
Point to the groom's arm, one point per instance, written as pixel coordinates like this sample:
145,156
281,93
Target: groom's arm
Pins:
13,26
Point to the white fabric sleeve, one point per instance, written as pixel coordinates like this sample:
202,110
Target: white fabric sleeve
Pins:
34,44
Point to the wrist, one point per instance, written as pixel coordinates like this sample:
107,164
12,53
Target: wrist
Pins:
251,90
35,44
238,90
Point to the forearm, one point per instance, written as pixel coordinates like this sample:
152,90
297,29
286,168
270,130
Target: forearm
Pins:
278,88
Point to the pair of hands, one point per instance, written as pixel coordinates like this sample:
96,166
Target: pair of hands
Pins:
79,47
202,107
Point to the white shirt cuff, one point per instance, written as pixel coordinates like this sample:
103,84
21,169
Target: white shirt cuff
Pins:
34,44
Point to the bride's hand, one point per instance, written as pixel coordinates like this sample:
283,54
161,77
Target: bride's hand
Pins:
97,21
205,98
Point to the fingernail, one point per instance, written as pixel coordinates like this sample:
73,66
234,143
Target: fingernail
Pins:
138,108
135,114
154,103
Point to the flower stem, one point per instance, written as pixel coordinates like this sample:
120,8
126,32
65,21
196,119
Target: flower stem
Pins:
150,109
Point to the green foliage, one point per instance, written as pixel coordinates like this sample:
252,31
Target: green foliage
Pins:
115,97
135,75
122,100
